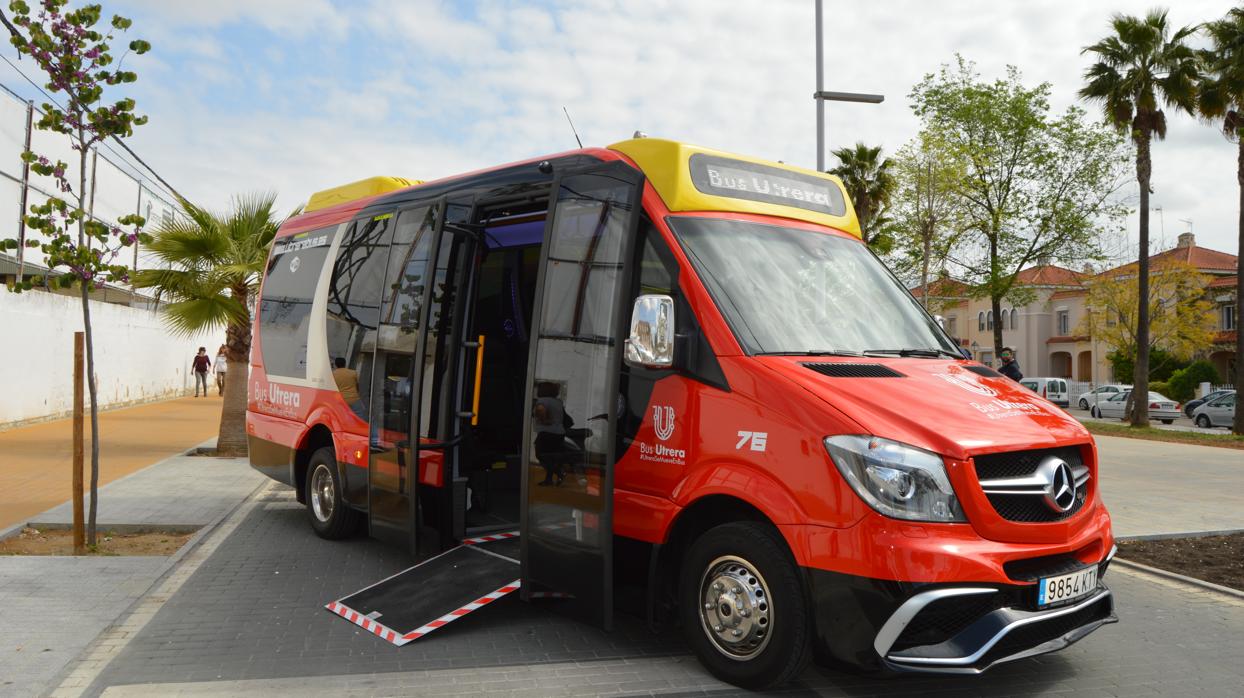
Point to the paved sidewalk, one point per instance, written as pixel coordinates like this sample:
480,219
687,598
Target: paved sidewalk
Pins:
52,608
35,473
1156,488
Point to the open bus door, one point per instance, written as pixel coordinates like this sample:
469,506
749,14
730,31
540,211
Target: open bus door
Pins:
572,393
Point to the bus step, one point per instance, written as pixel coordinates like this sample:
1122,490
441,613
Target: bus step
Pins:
435,592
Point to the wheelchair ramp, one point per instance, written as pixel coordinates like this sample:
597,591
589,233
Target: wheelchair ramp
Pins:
435,592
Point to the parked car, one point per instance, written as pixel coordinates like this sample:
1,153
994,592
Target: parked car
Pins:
1190,407
1052,389
1100,393
1219,412
1161,407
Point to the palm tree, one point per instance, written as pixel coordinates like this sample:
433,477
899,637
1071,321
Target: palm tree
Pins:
870,183
213,267
1140,68
1221,98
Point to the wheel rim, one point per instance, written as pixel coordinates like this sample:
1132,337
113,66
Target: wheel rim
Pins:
736,610
322,493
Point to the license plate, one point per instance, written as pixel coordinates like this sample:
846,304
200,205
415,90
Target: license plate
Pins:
1065,587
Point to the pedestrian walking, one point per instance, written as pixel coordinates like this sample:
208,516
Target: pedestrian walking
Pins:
201,365
219,366
1009,367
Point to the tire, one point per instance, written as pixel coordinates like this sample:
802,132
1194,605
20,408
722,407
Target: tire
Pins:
1203,421
1083,404
767,603
331,518
1167,421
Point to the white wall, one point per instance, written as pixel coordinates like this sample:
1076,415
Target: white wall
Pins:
136,358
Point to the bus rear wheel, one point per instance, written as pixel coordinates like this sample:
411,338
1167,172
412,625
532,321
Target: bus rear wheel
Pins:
742,606
330,516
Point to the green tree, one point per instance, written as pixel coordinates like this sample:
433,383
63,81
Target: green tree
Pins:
214,264
1181,315
80,250
925,213
1140,67
870,183
1034,186
1221,99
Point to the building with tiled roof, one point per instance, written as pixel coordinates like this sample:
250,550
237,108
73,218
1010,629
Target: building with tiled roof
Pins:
1045,333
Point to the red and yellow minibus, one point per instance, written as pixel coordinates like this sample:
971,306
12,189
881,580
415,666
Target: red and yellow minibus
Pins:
682,369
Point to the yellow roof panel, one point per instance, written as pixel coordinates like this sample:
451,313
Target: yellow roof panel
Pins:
691,178
372,186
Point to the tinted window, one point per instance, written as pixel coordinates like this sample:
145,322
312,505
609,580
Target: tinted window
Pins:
355,288
288,292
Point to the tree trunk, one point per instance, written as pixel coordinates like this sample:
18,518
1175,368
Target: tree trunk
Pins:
995,303
924,267
231,440
93,391
1140,374
1238,425
995,298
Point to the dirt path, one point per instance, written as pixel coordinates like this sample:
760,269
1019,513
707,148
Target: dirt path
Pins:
35,461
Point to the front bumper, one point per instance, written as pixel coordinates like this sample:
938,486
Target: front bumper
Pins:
945,628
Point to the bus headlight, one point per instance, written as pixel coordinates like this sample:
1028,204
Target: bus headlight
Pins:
897,480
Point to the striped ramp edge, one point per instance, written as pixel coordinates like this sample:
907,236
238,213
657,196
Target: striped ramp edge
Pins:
388,634
490,538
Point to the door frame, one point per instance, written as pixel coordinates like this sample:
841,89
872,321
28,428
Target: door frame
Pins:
621,325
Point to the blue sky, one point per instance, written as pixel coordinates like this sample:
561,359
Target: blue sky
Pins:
299,95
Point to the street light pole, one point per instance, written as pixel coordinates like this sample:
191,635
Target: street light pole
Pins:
821,96
820,85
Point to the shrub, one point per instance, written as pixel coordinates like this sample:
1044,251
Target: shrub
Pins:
1160,387
1184,382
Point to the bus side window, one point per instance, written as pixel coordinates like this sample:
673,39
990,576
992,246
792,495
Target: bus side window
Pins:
354,299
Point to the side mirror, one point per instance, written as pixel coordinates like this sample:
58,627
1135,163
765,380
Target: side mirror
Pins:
941,321
651,340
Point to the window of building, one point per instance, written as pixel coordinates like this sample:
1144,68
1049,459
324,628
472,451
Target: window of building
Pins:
1064,323
980,321
288,293
1228,317
1014,319
952,326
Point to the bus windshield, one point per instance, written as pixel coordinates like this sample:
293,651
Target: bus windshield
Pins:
793,291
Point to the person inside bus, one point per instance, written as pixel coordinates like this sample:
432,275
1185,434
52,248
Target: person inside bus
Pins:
347,380
549,416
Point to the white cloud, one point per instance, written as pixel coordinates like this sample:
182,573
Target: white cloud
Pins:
738,76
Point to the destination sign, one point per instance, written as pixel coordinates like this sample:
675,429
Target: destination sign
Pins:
772,185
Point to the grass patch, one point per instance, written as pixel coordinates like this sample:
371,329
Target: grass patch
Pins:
1218,439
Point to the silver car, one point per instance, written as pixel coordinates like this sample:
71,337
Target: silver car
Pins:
1100,394
1161,408
1219,412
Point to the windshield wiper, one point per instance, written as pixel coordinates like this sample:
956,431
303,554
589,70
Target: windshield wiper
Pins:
811,352
924,353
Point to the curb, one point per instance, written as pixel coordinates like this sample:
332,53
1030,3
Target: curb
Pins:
169,566
1172,576
1187,534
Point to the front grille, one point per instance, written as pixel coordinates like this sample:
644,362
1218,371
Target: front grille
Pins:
1034,568
1029,636
853,370
1025,508
945,618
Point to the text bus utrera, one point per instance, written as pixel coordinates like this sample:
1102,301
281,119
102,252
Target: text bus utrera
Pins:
679,369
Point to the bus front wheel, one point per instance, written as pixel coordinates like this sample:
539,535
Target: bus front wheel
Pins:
330,516
742,606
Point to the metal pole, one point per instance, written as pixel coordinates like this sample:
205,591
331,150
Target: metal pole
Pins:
820,86
21,212
79,534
